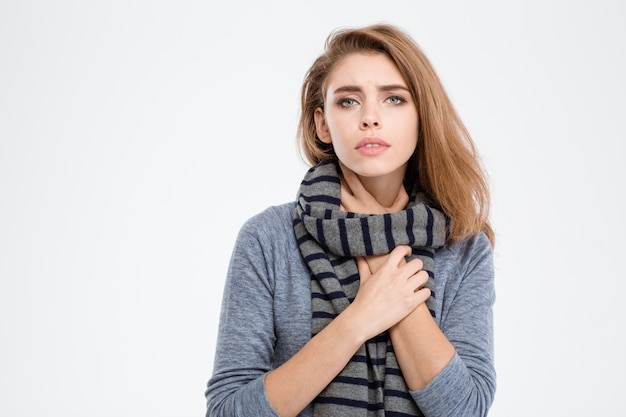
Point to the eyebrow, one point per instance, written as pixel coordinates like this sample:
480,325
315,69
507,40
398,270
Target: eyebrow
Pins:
356,88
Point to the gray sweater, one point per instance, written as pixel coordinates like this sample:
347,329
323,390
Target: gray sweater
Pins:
266,319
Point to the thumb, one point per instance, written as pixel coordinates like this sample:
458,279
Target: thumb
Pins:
364,269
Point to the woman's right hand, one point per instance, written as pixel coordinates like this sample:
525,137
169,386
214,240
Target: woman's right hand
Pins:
389,294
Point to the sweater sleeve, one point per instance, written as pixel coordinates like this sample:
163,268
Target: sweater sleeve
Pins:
245,342
466,386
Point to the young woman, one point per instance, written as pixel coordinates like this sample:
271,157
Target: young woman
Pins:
371,294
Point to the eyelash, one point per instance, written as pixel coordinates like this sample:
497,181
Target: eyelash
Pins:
344,101
400,99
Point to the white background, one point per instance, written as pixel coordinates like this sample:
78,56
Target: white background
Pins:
137,136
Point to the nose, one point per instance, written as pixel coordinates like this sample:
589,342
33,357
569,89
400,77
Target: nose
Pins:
369,119
365,123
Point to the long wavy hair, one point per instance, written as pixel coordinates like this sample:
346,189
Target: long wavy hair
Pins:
445,163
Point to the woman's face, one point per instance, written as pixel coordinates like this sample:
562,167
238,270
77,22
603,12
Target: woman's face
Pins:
369,117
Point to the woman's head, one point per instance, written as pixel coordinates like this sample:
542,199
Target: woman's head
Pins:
385,39
370,119
444,164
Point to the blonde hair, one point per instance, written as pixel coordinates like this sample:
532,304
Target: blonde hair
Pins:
445,164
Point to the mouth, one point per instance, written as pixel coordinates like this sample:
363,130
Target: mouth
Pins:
372,146
372,143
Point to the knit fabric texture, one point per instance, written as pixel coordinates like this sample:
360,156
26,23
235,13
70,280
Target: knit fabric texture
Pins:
329,240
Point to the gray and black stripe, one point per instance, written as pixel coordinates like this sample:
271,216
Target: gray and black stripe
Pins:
329,240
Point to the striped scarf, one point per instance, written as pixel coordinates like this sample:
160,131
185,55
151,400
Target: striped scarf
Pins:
371,384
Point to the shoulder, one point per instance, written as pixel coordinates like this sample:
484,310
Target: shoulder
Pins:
269,234
465,257
264,246
272,222
472,247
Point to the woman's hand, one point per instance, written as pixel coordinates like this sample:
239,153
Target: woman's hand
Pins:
391,293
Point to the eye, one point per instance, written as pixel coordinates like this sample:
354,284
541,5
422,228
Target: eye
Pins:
347,102
395,100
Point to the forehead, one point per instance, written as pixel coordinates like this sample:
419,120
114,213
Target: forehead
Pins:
362,69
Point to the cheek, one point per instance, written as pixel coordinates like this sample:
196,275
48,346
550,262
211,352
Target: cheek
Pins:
338,130
335,123
412,130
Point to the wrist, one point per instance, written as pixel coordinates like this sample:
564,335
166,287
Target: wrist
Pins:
413,320
352,327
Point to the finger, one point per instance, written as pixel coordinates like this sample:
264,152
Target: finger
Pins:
417,281
423,294
419,278
398,254
376,261
417,263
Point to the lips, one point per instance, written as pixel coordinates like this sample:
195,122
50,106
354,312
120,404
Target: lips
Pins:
372,146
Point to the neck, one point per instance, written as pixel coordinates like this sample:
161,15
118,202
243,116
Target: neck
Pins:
384,189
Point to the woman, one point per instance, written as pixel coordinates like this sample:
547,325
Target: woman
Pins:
372,294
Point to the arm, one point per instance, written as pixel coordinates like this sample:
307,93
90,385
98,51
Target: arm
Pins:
244,382
466,385
382,301
450,369
245,339
421,348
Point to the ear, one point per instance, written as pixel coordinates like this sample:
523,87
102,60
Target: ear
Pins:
321,128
